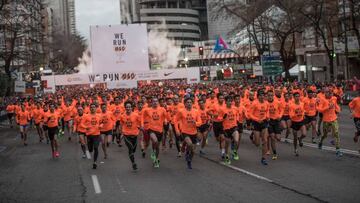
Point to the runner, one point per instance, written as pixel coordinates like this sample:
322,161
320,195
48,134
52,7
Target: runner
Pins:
156,116
205,125
241,116
10,109
355,110
297,116
107,120
285,119
310,103
130,124
275,114
117,110
188,120
330,108
173,111
231,133
68,112
52,120
37,115
217,118
80,129
23,119
44,122
258,113
92,125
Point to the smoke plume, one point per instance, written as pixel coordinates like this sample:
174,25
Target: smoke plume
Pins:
85,65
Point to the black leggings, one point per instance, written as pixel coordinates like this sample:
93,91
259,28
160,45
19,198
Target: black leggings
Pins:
177,138
93,142
131,143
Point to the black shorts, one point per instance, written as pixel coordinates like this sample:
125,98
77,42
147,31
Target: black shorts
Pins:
203,128
274,127
159,135
52,132
218,129
260,126
192,137
285,118
309,119
109,132
321,115
249,123
45,128
297,125
166,127
10,115
229,132
240,127
357,124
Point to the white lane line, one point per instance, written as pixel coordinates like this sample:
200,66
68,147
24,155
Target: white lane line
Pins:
88,156
326,148
247,172
96,184
120,185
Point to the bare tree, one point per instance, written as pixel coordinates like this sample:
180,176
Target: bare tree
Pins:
354,6
323,16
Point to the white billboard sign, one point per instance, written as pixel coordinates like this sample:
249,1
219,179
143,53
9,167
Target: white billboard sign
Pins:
20,86
119,48
257,70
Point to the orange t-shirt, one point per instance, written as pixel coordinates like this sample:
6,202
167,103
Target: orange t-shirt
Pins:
216,111
52,119
354,105
92,124
156,118
188,121
117,111
23,117
297,112
258,111
204,115
68,112
10,108
107,120
231,117
310,106
79,124
37,115
130,124
275,110
241,113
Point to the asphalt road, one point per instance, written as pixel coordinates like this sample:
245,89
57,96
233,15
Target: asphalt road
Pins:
29,174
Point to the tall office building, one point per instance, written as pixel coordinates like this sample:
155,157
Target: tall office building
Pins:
185,20
63,16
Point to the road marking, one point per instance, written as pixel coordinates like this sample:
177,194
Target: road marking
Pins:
96,184
247,172
88,156
326,148
121,187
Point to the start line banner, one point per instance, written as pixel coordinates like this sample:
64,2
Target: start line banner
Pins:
191,74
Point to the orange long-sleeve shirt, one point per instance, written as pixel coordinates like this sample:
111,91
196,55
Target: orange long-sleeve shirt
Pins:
329,108
130,124
354,105
188,121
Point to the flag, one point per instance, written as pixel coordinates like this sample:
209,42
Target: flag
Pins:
220,45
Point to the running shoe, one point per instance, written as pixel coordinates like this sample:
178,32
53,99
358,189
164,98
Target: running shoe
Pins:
286,141
157,163
223,156
143,154
301,144
57,154
339,153
179,154
274,157
264,162
235,155
84,156
332,142
320,145
188,161
69,138
356,138
94,166
313,140
134,166
296,152
202,152
227,160
47,141
153,156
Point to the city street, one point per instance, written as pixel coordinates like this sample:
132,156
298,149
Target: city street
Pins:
29,174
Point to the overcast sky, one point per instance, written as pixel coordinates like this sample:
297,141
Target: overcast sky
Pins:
96,12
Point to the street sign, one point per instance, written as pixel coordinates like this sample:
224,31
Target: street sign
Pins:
20,86
271,65
257,70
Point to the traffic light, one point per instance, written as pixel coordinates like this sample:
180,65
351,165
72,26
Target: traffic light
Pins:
201,51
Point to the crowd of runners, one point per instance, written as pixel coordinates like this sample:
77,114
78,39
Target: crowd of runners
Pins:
183,116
